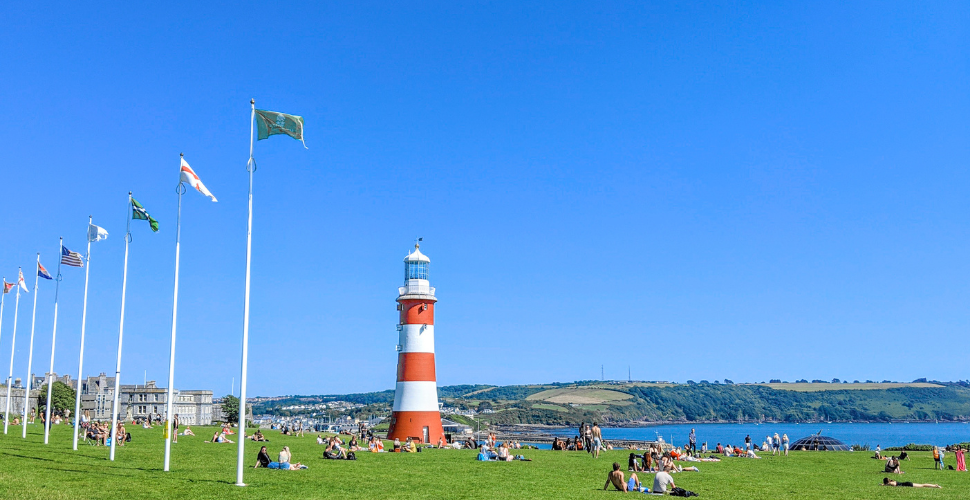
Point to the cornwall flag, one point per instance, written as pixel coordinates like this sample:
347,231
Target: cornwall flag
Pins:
43,272
70,258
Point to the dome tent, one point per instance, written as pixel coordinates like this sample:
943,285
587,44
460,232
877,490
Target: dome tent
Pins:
817,442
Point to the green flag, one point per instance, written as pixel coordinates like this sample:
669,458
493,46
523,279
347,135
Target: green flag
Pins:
272,123
139,212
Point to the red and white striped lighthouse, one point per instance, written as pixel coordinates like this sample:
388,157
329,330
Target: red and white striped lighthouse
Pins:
416,412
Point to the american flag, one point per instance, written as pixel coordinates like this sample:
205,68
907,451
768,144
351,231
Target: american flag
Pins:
70,258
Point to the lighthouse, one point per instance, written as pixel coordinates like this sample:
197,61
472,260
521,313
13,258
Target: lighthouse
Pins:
416,412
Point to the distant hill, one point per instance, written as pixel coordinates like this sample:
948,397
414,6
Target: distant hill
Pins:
641,402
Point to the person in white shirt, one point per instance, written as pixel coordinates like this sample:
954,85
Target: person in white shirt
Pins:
662,481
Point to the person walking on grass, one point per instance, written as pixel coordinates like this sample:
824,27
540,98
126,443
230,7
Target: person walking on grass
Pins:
692,442
597,440
784,443
777,448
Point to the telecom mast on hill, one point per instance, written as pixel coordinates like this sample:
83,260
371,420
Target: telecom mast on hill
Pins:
416,413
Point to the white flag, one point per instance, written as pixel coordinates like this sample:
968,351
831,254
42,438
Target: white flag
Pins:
96,233
20,281
188,175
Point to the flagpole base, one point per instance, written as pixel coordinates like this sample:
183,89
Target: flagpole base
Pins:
241,484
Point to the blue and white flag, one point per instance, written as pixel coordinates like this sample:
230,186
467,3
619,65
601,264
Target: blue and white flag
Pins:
70,258
43,272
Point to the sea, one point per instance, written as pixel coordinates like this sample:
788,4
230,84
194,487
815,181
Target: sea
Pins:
872,434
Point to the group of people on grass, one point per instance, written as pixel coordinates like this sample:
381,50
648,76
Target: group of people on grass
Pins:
662,481
283,462
589,439
939,459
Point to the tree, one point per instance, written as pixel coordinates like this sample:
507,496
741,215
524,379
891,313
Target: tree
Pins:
230,408
62,398
484,405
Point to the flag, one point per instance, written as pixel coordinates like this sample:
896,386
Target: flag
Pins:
20,281
7,286
70,258
272,123
188,175
96,233
139,212
43,272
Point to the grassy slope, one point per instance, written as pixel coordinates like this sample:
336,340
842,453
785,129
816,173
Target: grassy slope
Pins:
579,395
810,387
30,470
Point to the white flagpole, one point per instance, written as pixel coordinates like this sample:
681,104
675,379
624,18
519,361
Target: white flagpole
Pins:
3,293
13,343
50,374
121,333
241,439
30,352
84,317
171,356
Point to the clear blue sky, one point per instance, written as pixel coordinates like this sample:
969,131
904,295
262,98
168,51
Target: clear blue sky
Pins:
698,191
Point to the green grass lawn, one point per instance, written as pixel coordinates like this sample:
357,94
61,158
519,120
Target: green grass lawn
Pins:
29,470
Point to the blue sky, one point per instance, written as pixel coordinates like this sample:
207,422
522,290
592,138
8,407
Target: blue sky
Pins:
694,191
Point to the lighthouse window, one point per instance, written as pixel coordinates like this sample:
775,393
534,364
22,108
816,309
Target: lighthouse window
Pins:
417,270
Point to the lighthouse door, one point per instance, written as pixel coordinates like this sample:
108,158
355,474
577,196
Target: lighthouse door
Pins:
427,435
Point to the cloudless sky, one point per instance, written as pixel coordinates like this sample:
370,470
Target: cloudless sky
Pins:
696,191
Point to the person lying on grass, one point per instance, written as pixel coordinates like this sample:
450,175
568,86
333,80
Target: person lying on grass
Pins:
891,482
616,478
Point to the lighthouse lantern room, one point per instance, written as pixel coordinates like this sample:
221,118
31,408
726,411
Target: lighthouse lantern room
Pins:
416,413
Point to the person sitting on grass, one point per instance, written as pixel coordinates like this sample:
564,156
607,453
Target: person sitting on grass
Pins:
334,450
662,481
891,482
750,454
285,458
616,478
503,453
410,447
397,446
441,443
892,466
353,444
187,432
262,459
633,465
319,439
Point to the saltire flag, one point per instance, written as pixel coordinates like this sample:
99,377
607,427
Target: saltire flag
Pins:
139,212
70,258
96,233
20,281
43,272
7,286
188,175
271,123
